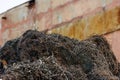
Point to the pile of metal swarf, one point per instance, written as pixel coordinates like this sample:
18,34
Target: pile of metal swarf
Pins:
39,56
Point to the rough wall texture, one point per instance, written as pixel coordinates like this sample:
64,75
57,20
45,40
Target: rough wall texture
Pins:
100,23
74,18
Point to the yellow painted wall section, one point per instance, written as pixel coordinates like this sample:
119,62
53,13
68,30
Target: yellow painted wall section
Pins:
100,23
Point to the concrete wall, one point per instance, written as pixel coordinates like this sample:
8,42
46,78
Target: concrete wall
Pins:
74,18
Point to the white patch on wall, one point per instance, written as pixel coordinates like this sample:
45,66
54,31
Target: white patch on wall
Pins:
0,24
59,18
103,3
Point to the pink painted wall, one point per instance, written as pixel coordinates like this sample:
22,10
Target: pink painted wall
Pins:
48,14
114,40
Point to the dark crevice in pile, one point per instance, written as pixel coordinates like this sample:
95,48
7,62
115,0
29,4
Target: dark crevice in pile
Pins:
40,56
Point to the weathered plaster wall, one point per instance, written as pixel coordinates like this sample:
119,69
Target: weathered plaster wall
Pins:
100,23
